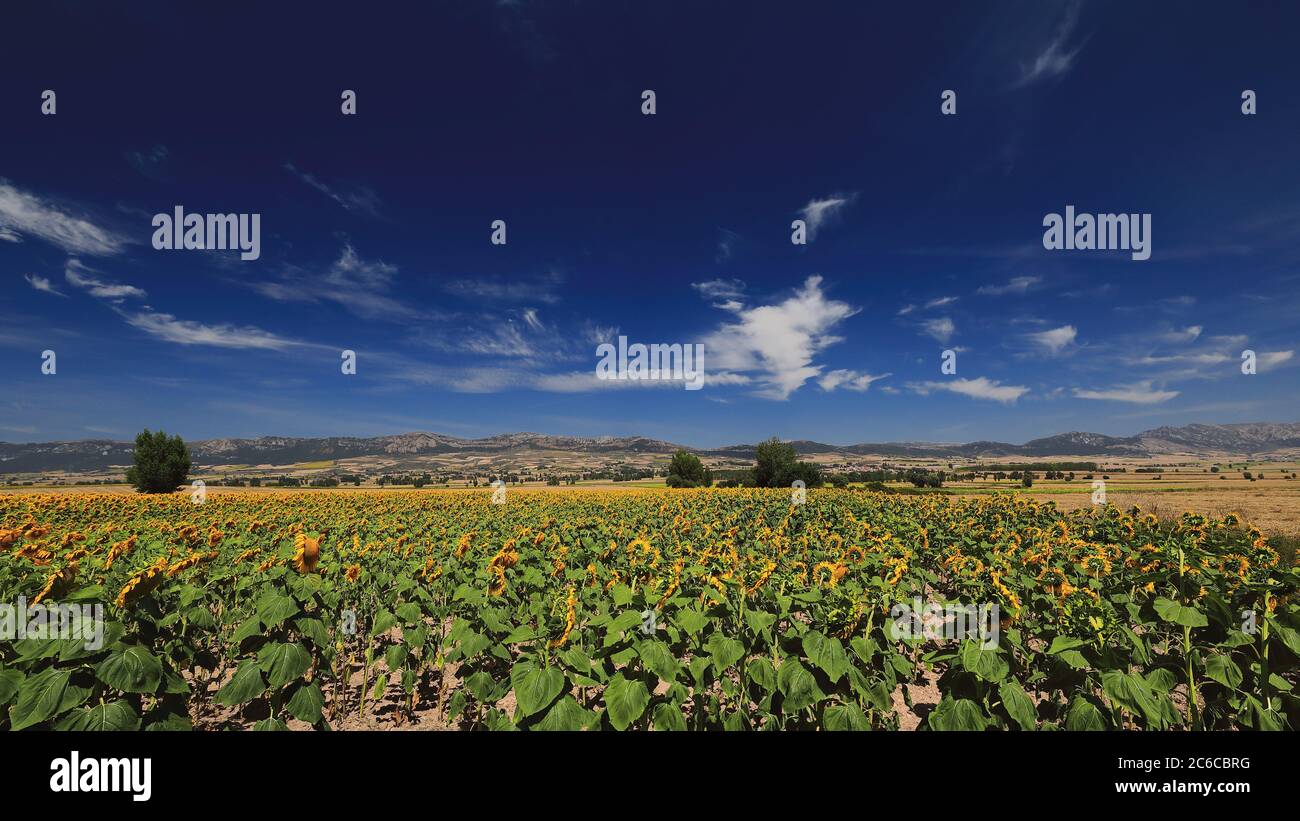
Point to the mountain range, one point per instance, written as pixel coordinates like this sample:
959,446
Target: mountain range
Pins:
1253,439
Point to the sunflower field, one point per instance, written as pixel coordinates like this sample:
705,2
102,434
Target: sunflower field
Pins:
641,609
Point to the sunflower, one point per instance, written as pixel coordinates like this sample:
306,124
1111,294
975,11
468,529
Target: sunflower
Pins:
352,573
570,619
306,553
142,583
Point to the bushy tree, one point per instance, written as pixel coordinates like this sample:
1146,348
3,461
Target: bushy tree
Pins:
686,470
776,466
162,463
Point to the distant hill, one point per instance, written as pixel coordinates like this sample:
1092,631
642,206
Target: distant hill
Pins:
1253,439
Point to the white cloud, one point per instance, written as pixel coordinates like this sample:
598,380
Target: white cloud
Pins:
80,276
981,388
41,283
941,301
777,341
849,380
1055,340
360,286
1270,358
906,309
1058,56
8,235
725,290
1015,285
941,329
357,200
186,332
819,212
1188,334
23,213
1137,393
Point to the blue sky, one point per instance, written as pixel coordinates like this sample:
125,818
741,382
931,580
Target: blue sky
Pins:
671,228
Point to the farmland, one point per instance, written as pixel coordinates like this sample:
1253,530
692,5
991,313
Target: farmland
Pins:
643,609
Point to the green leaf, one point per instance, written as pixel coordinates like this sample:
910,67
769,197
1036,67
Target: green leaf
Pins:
283,662
115,716
668,716
44,696
1172,611
762,673
1223,670
658,659
983,660
959,714
315,630
409,613
396,656
1161,679
243,687
270,725
1084,715
384,621
1061,643
625,701
845,717
1018,705
131,669
10,680
724,651
535,687
306,702
273,608
758,620
690,620
1133,694
827,653
798,685
567,714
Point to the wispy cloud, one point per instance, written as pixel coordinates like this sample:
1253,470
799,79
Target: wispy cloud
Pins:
151,164
939,302
726,245
848,380
78,275
22,213
1015,285
357,199
41,283
1055,340
1137,393
1058,55
360,286
187,332
980,388
824,212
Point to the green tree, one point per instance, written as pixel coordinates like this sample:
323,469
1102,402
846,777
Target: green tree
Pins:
686,470
162,463
776,466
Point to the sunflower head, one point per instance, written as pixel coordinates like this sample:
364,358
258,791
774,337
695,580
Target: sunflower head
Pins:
306,553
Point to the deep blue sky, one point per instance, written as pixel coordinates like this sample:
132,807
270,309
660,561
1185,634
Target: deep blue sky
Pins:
666,228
